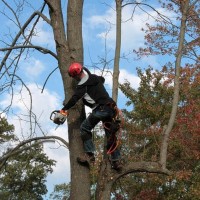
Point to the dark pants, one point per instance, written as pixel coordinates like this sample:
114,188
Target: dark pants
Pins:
102,113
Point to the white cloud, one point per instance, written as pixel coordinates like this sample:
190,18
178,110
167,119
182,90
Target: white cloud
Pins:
42,105
124,76
132,35
127,76
33,68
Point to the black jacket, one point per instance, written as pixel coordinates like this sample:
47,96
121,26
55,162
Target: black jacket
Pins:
91,91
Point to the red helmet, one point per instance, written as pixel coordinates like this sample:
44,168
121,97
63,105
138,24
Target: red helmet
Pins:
75,69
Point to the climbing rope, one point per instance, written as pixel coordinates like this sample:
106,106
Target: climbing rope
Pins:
115,127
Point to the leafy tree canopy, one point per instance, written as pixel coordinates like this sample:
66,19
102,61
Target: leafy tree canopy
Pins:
151,109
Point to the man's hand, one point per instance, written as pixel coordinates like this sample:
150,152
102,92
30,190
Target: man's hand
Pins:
64,112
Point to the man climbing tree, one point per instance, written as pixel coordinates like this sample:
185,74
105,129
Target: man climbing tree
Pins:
91,90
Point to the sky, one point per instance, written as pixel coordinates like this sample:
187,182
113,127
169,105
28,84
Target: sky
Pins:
98,18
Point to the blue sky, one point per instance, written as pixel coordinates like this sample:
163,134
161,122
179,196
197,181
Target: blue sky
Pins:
98,18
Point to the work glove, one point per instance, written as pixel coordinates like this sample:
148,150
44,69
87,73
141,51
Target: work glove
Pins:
64,112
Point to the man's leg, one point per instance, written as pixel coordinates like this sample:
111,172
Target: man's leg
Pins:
86,135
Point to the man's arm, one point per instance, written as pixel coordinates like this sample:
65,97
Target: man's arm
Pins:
79,93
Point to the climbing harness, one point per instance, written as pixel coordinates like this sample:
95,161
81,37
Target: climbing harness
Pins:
59,116
115,128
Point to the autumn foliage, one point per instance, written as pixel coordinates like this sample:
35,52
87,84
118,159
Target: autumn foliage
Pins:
151,108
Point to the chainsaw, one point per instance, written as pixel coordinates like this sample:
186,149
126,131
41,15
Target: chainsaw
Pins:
58,116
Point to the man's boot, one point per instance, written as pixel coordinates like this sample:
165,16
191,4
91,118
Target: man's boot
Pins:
86,160
116,165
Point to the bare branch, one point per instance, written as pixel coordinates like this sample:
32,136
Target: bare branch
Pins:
14,13
48,78
165,18
18,35
39,48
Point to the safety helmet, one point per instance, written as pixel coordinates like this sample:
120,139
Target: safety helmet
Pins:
75,69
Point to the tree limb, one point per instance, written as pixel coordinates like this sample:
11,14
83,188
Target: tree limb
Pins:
39,48
18,148
149,167
48,78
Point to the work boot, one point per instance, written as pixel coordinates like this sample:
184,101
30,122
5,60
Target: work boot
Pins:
86,160
116,165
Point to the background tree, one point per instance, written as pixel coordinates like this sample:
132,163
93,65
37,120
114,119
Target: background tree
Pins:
23,175
61,191
144,134
155,96
179,49
6,131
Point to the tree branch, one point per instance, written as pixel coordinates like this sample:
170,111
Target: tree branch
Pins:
48,78
18,148
39,48
149,167
19,34
144,4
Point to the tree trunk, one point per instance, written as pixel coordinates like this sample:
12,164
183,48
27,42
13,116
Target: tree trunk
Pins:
71,50
117,50
164,145
104,185
80,179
